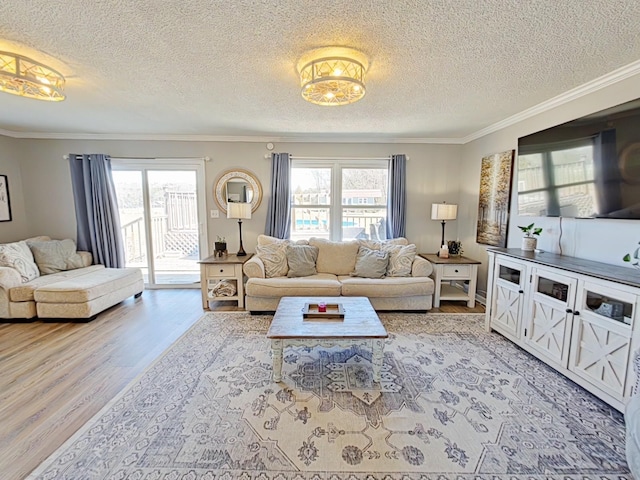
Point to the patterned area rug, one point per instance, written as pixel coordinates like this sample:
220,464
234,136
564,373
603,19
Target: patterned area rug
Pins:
454,403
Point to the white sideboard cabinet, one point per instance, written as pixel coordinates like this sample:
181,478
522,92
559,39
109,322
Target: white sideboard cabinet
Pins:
578,316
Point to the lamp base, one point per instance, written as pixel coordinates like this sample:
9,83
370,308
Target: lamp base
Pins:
241,252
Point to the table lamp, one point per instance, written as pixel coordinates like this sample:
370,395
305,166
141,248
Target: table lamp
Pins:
443,212
239,211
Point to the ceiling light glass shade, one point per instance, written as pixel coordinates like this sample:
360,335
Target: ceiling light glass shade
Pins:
27,78
333,75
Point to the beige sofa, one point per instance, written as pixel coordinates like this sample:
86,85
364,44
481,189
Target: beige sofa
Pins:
79,292
335,263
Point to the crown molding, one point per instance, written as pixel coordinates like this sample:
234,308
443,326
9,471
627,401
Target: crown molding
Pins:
225,138
585,89
599,83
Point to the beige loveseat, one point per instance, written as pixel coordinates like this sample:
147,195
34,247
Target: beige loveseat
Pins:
74,289
336,262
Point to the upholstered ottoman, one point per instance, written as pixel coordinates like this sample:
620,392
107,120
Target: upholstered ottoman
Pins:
86,296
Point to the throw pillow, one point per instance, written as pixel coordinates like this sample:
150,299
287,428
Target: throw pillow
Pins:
302,260
338,258
371,263
274,257
56,255
18,256
379,244
267,240
400,259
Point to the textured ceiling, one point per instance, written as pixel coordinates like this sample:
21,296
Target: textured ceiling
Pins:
438,69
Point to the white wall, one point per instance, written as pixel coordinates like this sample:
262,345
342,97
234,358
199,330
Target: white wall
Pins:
600,240
433,176
17,229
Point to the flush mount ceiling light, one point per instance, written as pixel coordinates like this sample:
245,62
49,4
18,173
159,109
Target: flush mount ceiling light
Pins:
27,78
333,75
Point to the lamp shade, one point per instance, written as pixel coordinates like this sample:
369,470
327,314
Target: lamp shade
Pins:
443,211
238,210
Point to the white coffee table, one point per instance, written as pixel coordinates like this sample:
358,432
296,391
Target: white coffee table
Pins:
360,326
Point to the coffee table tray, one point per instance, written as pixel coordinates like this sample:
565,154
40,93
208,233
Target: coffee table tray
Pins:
335,311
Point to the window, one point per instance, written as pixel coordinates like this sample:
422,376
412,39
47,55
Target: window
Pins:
339,200
557,180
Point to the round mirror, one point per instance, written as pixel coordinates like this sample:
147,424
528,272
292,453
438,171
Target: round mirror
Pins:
237,186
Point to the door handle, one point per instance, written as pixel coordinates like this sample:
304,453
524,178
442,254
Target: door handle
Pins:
569,310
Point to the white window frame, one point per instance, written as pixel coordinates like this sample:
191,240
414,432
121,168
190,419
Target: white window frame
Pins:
336,206
144,165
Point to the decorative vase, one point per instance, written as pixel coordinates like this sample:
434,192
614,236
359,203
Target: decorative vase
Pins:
529,244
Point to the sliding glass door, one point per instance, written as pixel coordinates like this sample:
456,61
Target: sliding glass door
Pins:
162,216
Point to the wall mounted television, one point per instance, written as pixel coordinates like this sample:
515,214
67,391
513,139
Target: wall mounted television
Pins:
585,168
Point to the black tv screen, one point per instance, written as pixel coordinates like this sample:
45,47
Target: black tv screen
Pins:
585,168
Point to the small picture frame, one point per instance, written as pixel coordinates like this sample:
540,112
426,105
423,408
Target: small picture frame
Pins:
5,202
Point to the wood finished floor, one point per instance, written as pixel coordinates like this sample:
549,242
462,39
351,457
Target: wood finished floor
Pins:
55,376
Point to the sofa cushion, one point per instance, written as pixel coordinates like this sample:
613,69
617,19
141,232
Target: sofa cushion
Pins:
371,263
84,288
385,287
301,260
24,293
400,259
338,258
320,285
18,256
56,255
274,258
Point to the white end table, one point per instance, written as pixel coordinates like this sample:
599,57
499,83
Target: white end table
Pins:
447,270
214,269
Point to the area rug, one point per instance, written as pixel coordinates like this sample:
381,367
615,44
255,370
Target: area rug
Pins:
455,402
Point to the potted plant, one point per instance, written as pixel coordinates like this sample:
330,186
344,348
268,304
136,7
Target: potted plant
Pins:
529,241
220,246
634,258
455,247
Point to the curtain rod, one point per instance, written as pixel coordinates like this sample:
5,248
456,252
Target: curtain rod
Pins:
206,159
267,156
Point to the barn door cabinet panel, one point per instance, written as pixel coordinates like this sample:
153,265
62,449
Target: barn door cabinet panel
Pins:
602,335
578,316
508,298
549,314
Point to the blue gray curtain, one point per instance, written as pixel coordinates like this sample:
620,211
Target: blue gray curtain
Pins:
96,209
278,211
397,199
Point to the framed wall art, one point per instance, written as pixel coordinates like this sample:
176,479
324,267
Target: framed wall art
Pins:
495,199
5,203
